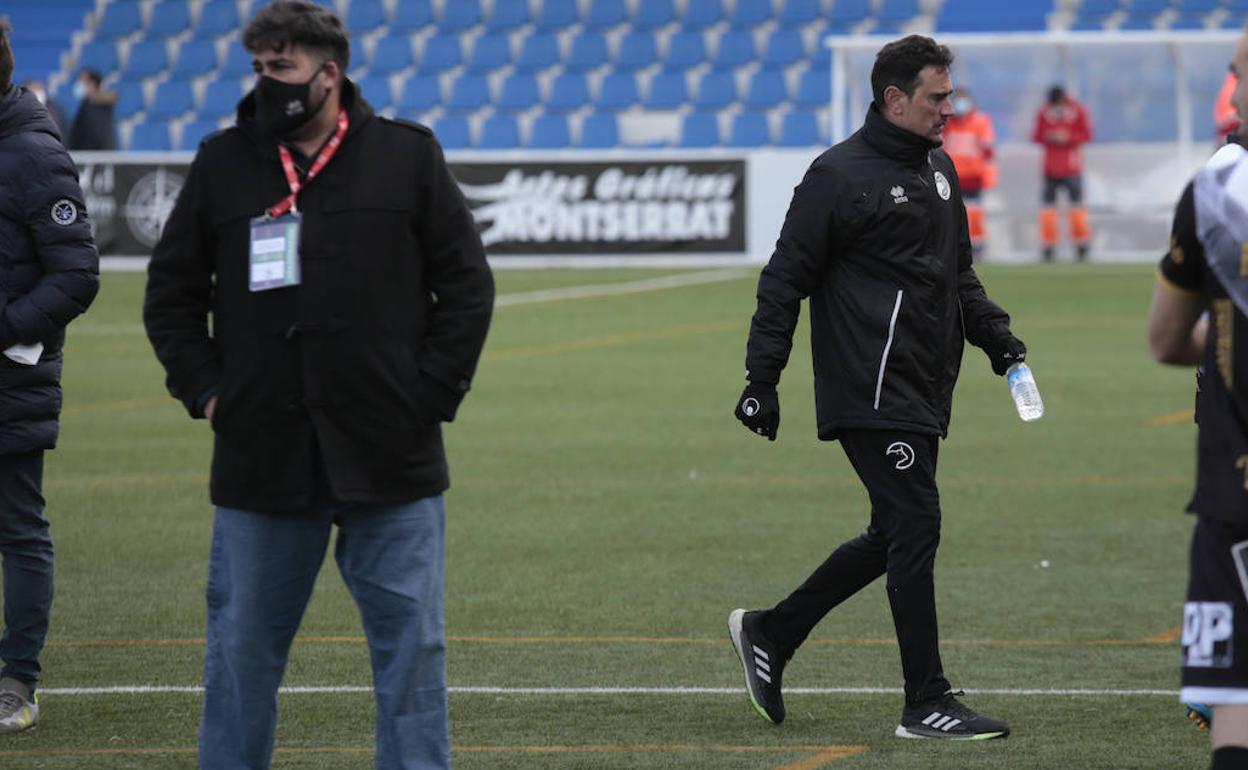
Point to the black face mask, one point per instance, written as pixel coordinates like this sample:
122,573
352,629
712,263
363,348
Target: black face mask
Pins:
282,108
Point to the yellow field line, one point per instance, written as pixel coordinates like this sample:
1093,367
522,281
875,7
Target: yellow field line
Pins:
610,341
1183,416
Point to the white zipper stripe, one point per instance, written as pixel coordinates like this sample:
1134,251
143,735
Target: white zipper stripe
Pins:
892,327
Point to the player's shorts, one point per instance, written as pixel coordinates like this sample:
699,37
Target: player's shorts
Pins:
1073,185
1215,618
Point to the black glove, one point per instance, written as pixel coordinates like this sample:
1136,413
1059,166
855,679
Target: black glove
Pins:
759,409
1006,351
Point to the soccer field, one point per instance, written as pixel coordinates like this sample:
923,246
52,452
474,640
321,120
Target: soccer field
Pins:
607,512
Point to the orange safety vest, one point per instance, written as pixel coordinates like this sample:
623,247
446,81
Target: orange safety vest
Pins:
968,139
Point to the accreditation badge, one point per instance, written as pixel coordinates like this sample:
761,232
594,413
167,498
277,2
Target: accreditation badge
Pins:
274,252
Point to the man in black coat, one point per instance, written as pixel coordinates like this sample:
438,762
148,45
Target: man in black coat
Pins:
94,126
50,276
349,297
877,237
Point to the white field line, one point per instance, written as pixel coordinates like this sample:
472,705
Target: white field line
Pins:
616,289
734,691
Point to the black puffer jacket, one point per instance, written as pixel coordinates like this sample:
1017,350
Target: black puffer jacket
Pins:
49,269
876,236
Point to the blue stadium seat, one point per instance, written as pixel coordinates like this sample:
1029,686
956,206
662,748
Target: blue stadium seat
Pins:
568,92
897,12
820,53
618,92
452,132
1197,6
767,89
1098,8
194,132
814,88
507,15
599,132
538,52
459,16
442,52
846,14
717,89
604,14
735,49
796,13
237,61
129,98
169,18
217,18
147,58
364,16
391,54
500,132
747,14
150,136
799,129
519,92
700,14
490,52
173,98
699,129
1189,20
652,14
119,20
411,16
638,50
550,132
589,51
469,93
419,94
555,15
668,90
784,47
195,58
376,91
685,50
749,129
992,16
101,56
221,98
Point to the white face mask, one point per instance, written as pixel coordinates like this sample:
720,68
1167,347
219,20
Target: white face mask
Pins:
80,90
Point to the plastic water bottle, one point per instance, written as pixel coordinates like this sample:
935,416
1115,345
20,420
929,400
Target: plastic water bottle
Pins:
1026,394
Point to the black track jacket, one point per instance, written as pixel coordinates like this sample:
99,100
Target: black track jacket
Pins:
354,367
876,236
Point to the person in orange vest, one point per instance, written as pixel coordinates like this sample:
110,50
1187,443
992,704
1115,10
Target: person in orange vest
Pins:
1062,126
1225,119
968,138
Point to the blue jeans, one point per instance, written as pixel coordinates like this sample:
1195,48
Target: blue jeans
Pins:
261,572
26,543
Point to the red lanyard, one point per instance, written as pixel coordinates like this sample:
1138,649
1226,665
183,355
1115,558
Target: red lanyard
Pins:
292,176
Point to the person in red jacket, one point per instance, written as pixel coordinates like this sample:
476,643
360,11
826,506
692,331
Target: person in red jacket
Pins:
1062,127
968,138
1225,118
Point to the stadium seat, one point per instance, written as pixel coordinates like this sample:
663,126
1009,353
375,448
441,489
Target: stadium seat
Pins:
668,90
685,50
814,88
507,16
391,54
101,56
785,46
441,53
195,58
519,92
1189,20
568,92
221,98
459,16
452,132
767,89
550,132
599,132
119,20
419,94
237,61
992,16
699,129
555,15
799,129
749,129
129,99
1197,6
700,14
637,50
604,14
411,16
796,13
364,16
146,58
194,132
897,12
169,18
150,136
652,14
500,132
735,49
490,52
847,14
173,99
618,92
216,19
469,93
538,52
588,52
717,89
376,91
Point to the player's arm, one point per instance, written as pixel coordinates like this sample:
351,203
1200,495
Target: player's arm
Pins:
1176,330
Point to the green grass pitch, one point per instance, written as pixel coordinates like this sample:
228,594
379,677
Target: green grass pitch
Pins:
607,512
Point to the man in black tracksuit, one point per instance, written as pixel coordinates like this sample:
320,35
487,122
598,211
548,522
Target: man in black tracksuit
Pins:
877,237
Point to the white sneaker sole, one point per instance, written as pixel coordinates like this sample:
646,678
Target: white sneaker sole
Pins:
902,732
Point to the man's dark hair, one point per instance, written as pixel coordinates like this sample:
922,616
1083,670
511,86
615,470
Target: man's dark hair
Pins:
899,63
93,75
6,57
1057,94
304,23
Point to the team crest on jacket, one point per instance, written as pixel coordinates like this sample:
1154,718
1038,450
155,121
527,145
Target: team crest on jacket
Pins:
942,186
64,212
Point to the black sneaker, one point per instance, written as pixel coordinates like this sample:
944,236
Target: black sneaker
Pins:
763,665
945,717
